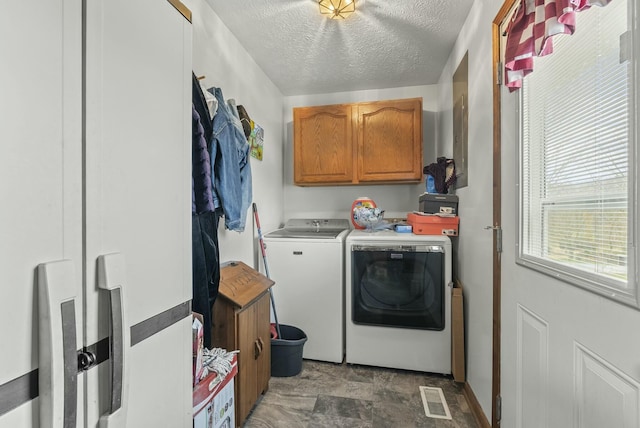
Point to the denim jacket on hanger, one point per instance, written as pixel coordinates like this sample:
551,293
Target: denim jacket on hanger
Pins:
231,169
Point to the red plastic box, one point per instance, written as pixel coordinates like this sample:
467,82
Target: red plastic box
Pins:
433,224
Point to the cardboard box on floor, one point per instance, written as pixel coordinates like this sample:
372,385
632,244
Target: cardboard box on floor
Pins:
457,334
214,399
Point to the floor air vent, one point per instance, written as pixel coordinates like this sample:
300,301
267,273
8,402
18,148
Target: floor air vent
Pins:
435,406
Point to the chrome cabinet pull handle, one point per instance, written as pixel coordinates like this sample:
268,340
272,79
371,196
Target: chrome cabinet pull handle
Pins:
58,360
112,278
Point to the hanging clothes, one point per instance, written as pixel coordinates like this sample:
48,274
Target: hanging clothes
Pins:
245,120
212,103
233,109
200,167
200,104
204,228
205,268
231,169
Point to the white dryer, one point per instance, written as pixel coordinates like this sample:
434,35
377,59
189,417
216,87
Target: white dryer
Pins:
398,300
306,261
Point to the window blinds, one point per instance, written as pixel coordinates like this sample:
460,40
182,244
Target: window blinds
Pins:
575,151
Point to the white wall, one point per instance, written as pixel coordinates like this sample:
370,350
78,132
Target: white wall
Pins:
218,55
474,262
335,201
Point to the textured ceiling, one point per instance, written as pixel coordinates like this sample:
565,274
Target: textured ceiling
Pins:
384,44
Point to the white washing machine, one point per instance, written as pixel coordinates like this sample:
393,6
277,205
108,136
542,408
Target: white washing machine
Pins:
306,261
398,300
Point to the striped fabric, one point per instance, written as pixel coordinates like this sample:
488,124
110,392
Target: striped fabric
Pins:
530,31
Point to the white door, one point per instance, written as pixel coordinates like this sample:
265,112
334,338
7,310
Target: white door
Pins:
570,357
137,209
79,219
40,188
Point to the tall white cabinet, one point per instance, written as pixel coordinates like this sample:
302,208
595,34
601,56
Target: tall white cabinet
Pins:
95,225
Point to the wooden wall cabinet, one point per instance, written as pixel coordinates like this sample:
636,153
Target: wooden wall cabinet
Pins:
373,142
241,321
390,141
323,144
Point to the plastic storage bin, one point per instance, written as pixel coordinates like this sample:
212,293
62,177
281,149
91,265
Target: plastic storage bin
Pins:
433,224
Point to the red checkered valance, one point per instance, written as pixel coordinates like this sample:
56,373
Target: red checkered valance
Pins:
530,30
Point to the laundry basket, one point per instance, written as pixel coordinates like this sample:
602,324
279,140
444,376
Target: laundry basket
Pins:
286,351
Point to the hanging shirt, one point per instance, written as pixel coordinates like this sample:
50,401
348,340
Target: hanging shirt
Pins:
212,103
231,170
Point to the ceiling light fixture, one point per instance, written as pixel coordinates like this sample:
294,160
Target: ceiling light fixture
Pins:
337,8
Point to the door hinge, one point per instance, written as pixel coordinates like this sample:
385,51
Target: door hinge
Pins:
499,73
626,46
498,230
498,408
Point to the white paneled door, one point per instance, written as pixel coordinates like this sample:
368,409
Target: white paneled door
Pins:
570,357
95,253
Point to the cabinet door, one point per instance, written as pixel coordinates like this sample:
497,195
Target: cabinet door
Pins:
137,207
390,141
263,330
323,145
247,378
40,187
254,359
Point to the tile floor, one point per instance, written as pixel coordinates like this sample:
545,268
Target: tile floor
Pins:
341,395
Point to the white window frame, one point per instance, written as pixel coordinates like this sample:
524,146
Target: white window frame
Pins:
598,284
